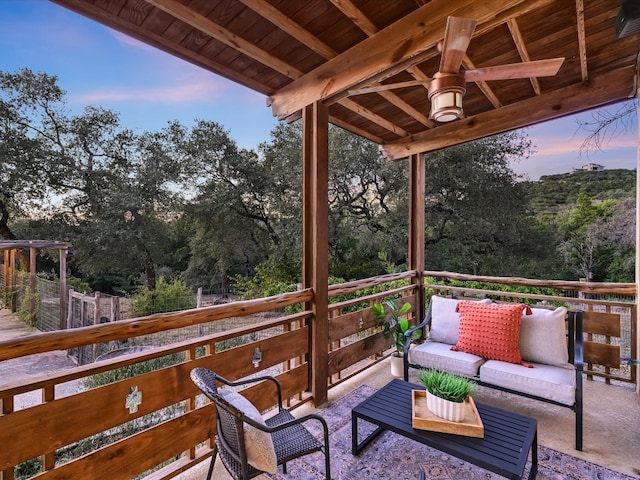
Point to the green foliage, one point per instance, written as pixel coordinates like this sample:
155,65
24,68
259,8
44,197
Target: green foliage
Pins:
130,371
24,312
393,324
446,385
167,297
554,193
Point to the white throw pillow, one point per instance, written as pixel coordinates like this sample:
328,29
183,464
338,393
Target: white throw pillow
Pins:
543,337
445,321
260,451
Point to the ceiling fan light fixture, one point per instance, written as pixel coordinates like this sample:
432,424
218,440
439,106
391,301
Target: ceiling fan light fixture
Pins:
446,106
445,94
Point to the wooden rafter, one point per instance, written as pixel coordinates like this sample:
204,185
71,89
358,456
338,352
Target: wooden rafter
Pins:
522,50
374,117
356,16
275,16
106,17
582,40
407,108
202,23
483,86
370,29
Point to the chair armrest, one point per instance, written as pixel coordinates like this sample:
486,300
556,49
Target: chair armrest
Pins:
255,380
578,348
409,333
290,423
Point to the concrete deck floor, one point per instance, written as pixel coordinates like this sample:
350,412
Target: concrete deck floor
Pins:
611,421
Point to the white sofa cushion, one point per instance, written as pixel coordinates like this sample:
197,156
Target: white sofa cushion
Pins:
445,321
543,337
545,381
439,355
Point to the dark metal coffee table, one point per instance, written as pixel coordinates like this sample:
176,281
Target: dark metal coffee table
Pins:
508,437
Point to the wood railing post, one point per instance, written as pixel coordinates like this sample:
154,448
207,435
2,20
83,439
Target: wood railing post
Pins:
416,229
315,240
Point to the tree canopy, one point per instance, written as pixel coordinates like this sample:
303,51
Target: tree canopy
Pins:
186,203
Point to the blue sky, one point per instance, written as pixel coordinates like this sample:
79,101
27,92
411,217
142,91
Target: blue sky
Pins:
98,66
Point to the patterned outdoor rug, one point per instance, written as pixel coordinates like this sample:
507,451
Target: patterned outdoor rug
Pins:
391,456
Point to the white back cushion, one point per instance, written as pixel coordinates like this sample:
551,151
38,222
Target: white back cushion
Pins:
445,321
543,337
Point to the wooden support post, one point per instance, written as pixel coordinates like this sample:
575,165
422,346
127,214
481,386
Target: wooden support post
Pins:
7,282
32,284
315,241
416,229
12,262
63,288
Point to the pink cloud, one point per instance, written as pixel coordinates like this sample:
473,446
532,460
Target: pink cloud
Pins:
190,91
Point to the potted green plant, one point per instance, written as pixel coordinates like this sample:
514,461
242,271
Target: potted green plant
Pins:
394,325
447,393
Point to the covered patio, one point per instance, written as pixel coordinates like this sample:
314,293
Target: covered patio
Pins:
315,60
375,69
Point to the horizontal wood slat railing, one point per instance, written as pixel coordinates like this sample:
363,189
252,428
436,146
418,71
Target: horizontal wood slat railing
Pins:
163,423
171,429
137,327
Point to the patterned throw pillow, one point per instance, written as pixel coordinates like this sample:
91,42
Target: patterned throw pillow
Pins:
261,453
491,331
445,322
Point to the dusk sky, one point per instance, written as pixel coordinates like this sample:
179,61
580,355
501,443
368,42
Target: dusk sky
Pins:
98,66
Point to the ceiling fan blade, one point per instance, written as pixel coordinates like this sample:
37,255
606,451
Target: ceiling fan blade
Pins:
456,41
537,68
388,86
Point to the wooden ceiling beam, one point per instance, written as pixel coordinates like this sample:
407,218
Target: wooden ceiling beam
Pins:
373,117
363,22
354,14
522,50
104,17
582,39
283,22
600,90
202,23
407,108
370,60
353,129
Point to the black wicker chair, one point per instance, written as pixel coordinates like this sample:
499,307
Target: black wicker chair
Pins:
290,438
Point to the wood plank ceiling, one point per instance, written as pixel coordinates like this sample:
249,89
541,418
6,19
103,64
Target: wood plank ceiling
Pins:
303,51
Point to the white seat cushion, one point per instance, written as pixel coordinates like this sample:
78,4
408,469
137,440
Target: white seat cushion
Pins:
545,381
439,355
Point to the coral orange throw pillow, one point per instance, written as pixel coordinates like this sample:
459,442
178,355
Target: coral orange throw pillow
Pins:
491,330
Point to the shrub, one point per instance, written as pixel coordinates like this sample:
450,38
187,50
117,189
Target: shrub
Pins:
167,297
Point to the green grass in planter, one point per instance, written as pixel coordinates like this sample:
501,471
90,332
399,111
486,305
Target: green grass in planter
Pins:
446,385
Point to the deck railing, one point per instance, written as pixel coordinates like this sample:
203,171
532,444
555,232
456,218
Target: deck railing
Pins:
143,417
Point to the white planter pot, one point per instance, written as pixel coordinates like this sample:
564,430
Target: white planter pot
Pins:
397,366
451,411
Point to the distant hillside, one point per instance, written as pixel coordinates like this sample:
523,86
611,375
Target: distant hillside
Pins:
552,192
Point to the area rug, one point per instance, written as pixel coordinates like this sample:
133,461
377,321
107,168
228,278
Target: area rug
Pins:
392,456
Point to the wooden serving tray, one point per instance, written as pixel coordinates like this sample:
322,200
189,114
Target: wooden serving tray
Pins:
423,419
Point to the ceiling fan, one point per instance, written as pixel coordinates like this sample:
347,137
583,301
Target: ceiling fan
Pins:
447,86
